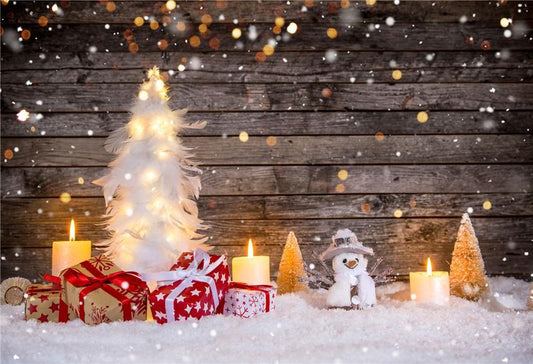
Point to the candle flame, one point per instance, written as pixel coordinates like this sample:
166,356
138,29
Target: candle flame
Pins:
429,270
250,249
72,231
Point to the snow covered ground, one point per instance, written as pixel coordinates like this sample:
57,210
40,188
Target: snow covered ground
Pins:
300,330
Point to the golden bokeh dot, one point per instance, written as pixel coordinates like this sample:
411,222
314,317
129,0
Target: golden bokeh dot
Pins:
379,136
170,5
202,28
276,29
412,203
345,4
8,154
139,21
332,33
32,129
485,45
5,2
65,197
162,44
236,33
110,6
398,213
343,175
133,47
260,57
272,141
340,188
397,75
181,26
26,34
207,19
81,180
43,21
222,4
154,24
243,136
268,50
371,2
504,22
326,92
279,21
365,207
422,117
487,205
195,41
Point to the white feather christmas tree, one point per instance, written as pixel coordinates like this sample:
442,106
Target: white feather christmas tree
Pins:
152,187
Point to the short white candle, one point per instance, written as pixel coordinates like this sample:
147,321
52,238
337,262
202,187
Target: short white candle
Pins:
252,270
429,286
65,254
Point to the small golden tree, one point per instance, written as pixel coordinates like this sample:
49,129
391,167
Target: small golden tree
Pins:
291,267
467,270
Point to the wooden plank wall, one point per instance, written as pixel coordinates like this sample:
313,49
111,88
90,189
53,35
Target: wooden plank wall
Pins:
317,106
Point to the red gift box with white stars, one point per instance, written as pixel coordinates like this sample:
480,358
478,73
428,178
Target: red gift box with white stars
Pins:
45,303
196,299
248,301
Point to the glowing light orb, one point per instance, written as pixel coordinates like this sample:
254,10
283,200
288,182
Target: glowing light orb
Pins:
371,2
487,205
343,175
379,136
422,117
332,33
366,207
236,33
504,22
292,28
170,5
181,26
43,21
206,19
110,6
65,197
195,41
81,180
139,21
8,154
279,21
162,44
143,95
243,136
340,188
268,50
397,75
154,24
23,115
133,47
398,213
271,141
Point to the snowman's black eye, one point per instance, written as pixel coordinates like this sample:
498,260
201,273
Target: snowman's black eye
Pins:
357,260
345,260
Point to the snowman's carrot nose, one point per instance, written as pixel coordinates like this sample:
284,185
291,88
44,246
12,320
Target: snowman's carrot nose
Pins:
352,264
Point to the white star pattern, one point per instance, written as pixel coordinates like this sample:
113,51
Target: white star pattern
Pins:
180,299
187,256
220,295
195,292
225,262
160,296
188,309
215,276
160,315
211,309
207,290
198,306
223,278
206,307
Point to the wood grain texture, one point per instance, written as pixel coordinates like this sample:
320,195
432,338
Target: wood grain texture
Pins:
265,11
282,180
400,37
296,150
278,97
283,123
238,67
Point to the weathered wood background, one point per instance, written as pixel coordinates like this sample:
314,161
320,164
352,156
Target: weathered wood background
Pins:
320,117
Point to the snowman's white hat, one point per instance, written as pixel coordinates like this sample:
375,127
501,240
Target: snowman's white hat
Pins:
345,241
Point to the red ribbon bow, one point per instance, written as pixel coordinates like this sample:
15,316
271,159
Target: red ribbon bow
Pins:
127,280
56,286
259,288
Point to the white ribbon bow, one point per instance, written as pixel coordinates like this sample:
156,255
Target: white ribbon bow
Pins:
189,275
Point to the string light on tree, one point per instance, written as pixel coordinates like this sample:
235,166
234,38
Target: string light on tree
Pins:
152,186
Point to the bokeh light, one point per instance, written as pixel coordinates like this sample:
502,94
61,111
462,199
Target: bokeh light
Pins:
487,205
379,136
366,207
23,115
422,117
170,5
133,47
279,21
65,197
397,75
43,21
154,24
162,44
340,188
8,154
343,175
271,141
26,34
332,33
139,21
243,136
292,28
195,41
398,213
236,33
268,50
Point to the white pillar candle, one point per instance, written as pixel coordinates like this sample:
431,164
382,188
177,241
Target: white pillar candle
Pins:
252,270
65,254
429,286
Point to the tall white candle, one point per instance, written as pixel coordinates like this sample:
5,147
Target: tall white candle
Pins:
65,254
429,286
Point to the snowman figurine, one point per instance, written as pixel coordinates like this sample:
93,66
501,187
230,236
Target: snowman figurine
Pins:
349,266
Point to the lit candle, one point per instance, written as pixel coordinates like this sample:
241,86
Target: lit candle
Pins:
430,286
251,270
65,254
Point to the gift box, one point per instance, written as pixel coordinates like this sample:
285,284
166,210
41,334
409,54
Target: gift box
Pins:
45,302
247,301
193,288
98,291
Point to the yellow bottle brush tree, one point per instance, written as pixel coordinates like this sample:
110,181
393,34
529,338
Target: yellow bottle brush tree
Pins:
291,268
